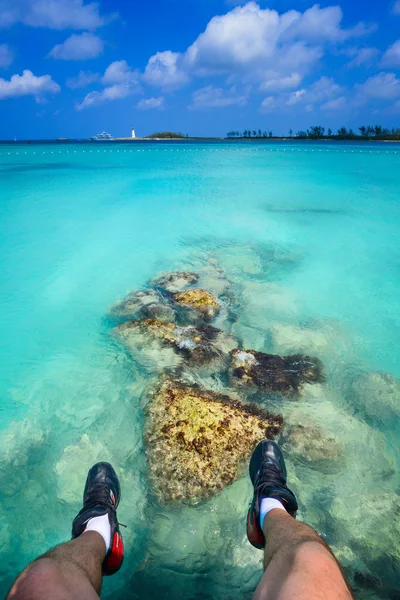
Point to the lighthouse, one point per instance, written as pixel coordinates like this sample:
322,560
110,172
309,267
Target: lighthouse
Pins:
133,133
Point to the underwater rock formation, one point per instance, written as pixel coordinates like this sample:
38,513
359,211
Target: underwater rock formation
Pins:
201,344
372,524
73,465
174,281
197,440
313,447
148,303
200,303
239,260
378,395
213,278
273,373
289,338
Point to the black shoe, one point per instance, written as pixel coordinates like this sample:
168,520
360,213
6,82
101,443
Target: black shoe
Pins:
101,496
268,475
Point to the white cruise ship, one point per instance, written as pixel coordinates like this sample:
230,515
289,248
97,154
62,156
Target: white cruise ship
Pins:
102,137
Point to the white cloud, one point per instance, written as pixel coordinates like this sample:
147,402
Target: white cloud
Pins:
6,56
396,8
78,47
391,58
281,84
254,45
55,14
362,57
83,79
113,92
334,105
384,86
165,70
211,97
119,72
27,84
318,23
151,103
121,82
325,91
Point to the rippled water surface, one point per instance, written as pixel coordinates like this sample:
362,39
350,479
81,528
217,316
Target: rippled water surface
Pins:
308,237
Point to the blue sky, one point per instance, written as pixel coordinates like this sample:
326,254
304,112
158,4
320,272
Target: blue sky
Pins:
72,68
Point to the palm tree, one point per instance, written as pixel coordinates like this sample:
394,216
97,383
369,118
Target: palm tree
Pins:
315,132
290,133
363,131
342,132
329,132
270,134
254,133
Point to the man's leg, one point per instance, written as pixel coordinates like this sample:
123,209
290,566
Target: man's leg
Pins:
298,563
74,570
71,571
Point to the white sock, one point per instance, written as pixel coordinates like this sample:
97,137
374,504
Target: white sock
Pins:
102,526
268,504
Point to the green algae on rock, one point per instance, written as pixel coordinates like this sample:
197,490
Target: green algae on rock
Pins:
273,373
201,302
201,344
174,281
197,440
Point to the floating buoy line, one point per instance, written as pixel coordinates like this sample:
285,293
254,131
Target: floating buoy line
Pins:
240,150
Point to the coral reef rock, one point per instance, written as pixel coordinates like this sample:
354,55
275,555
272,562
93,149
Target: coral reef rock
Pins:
199,344
313,447
175,281
147,303
200,302
197,440
273,373
213,278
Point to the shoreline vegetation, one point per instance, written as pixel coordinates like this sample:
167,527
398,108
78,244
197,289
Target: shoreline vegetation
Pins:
317,132
369,133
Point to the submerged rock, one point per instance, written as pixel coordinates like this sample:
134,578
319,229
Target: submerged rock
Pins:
198,301
73,465
289,338
197,440
313,447
175,281
239,260
201,344
378,395
274,373
146,303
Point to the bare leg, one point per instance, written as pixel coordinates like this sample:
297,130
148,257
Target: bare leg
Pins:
298,564
71,571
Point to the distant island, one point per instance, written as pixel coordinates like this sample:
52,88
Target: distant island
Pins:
166,135
317,132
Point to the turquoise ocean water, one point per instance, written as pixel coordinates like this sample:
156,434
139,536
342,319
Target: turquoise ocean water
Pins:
308,235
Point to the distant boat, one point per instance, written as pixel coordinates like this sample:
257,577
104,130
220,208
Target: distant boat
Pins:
102,137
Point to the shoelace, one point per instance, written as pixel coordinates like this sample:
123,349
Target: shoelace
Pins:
271,477
100,494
